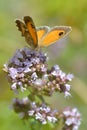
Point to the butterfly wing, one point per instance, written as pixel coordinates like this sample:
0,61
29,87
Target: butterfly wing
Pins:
44,36
41,32
54,34
31,29
21,26
28,30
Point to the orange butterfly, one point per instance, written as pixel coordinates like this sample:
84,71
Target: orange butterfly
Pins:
42,36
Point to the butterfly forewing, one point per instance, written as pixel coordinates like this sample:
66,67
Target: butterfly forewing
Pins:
31,29
54,35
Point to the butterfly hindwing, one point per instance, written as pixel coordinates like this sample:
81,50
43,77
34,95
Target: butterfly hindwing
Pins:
21,26
41,32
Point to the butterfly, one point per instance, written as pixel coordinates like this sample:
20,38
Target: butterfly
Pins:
42,36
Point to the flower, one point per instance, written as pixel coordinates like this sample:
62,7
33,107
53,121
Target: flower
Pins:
27,69
58,80
41,112
72,119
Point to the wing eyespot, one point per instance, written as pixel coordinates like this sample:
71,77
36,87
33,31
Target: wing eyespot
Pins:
61,33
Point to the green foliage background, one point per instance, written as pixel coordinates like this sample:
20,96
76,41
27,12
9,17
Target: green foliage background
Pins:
70,54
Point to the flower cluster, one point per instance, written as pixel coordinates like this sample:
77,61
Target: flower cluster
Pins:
72,119
42,112
58,80
28,69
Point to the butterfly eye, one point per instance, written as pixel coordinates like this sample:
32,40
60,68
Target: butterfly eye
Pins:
61,33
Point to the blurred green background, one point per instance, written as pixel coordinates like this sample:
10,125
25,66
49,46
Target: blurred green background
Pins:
70,53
